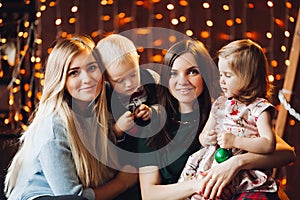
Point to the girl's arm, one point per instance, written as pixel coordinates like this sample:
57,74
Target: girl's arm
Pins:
151,187
220,175
208,136
264,144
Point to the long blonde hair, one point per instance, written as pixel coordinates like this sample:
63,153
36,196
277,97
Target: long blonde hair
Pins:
55,99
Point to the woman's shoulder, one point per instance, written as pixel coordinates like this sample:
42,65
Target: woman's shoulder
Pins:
52,127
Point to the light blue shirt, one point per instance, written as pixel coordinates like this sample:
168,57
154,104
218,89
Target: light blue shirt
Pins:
49,168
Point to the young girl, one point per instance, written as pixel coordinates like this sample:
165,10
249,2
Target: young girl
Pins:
64,152
240,120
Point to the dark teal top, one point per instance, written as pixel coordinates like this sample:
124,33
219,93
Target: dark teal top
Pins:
171,158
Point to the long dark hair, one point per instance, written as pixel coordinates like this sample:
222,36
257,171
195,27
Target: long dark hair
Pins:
209,75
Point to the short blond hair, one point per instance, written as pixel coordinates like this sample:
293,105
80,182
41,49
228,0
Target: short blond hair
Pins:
116,49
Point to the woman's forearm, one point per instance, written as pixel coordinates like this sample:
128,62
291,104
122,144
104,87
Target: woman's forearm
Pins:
283,155
220,175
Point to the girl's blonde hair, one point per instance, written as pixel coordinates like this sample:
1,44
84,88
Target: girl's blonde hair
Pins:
247,59
55,99
116,49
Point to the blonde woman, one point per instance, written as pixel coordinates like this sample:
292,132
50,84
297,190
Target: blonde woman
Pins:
64,152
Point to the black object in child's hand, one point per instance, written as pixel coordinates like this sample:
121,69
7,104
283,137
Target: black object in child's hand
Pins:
136,99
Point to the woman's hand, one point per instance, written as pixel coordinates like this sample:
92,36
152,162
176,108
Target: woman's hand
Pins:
217,179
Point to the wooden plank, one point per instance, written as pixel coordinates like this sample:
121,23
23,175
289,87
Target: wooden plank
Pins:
289,78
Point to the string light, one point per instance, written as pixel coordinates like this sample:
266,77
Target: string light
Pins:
158,12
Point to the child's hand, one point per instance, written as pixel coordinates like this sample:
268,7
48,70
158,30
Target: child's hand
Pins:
144,112
209,138
226,140
125,122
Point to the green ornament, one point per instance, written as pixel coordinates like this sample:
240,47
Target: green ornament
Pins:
222,154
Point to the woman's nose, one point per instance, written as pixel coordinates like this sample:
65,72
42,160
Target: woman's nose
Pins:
182,79
85,77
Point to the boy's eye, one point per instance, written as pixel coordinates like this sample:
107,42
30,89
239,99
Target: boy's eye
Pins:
173,73
133,74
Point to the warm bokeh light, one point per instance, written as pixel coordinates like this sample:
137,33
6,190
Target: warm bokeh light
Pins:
238,20
43,7
229,22
287,62
52,3
170,6
58,22
174,21
274,63
251,5
206,5
157,58
292,122
183,3
209,23
189,33
204,34
271,78
283,48
182,18
270,4
172,38
72,20
287,33
269,35
288,5
159,16
74,9
225,7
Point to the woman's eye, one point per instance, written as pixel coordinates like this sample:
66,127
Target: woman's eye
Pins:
92,67
73,73
193,71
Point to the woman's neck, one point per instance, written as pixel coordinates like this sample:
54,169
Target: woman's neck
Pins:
188,107
81,107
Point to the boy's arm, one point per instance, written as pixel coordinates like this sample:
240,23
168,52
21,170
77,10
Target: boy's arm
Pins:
263,144
124,123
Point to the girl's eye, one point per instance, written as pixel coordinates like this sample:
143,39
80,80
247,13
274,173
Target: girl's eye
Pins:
227,75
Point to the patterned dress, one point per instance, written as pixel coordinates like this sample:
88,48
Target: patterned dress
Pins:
240,119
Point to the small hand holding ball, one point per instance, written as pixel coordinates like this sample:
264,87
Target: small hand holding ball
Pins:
222,154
